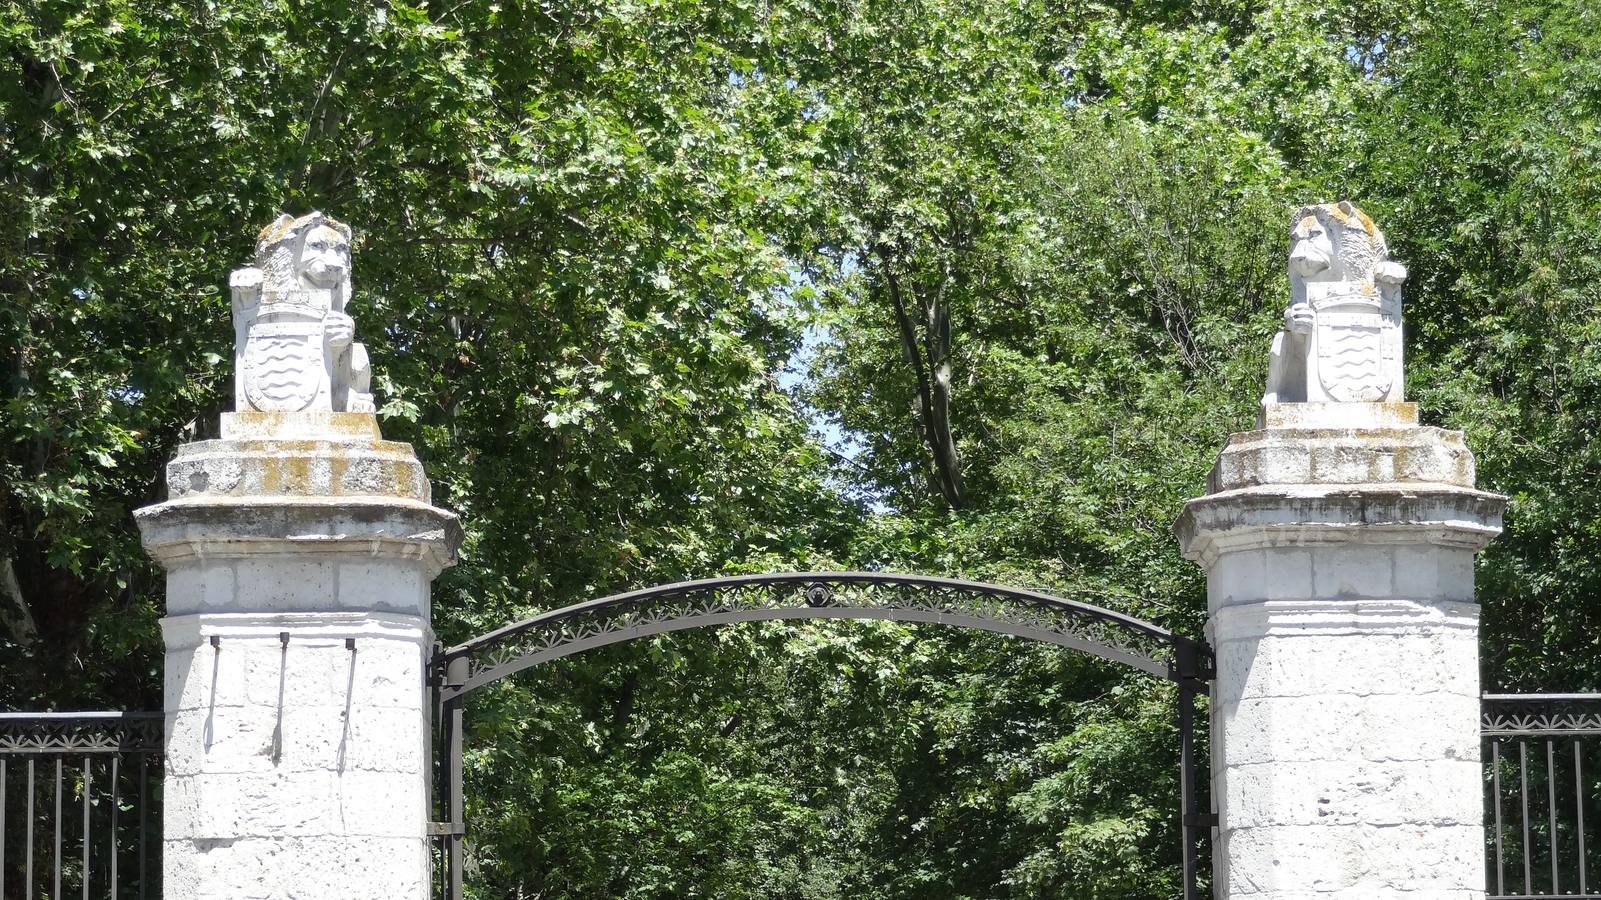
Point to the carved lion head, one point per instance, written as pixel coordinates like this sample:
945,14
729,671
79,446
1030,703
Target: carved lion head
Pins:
312,251
1335,242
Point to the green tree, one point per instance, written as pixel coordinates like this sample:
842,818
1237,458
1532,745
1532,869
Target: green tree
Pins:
1038,249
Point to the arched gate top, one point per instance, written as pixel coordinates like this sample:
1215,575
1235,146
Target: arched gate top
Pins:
822,595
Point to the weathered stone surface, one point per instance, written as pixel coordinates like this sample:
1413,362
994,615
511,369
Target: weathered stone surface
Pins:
1334,456
296,468
294,346
1337,415
307,425
1341,341
303,545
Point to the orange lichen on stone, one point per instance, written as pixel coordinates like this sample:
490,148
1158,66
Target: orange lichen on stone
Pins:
1367,223
1315,455
1343,218
297,468
283,226
255,425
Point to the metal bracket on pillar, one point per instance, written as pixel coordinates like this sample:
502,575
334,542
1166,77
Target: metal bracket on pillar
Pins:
1193,666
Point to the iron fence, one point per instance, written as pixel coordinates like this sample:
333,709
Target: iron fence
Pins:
80,800
1542,757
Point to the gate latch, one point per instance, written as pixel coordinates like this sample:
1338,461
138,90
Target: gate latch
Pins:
446,829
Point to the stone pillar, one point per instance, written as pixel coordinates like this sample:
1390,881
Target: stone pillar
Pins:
1338,542
299,550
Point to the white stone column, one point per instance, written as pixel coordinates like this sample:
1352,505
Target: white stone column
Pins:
1338,542
299,551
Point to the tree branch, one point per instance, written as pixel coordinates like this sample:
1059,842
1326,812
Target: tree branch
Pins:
14,613
933,380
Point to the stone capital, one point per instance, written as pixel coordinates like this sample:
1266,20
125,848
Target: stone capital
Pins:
1278,516
208,529
314,498
1302,486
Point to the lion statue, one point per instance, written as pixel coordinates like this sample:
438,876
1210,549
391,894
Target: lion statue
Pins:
294,343
1341,340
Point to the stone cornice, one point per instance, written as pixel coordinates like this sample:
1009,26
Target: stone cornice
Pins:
1338,616
1282,515
212,527
319,628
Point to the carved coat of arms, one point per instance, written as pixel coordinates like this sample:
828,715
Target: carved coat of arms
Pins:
1352,365
294,346
1341,341
283,366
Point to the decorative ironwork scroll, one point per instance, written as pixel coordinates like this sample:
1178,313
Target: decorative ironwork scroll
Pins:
1537,715
80,733
458,671
813,595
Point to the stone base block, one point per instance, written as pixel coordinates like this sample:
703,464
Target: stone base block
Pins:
1324,414
1367,457
295,868
1352,862
319,425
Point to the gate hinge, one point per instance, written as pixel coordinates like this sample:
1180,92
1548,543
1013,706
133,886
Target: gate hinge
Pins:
1200,820
446,829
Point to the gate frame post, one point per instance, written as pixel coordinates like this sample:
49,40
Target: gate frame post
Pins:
452,673
1194,669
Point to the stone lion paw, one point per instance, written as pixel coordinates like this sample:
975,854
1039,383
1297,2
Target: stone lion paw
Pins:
340,328
1389,272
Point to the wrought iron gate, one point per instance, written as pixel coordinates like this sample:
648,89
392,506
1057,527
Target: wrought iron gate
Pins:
1542,756
80,803
459,671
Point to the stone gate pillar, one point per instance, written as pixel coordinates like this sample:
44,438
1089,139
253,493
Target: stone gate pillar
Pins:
299,551
1339,542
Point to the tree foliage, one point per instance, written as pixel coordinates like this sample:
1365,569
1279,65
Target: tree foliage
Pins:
628,270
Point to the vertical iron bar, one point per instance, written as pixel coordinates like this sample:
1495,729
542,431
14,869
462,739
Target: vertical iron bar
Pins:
144,831
1187,797
1551,807
116,798
86,786
3,784
1495,778
1523,795
27,847
1578,804
55,893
